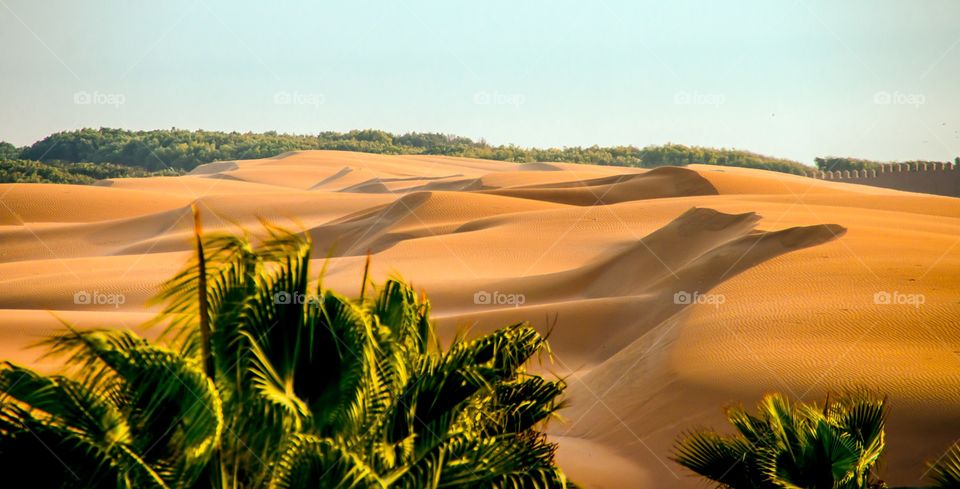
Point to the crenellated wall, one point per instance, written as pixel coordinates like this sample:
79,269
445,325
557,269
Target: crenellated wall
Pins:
929,178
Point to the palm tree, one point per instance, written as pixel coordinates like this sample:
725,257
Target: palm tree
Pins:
946,471
793,445
142,416
269,382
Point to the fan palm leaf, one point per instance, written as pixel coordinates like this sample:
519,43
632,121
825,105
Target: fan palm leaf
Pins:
946,471
793,445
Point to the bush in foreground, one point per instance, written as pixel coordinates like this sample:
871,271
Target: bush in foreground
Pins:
265,382
801,445
793,445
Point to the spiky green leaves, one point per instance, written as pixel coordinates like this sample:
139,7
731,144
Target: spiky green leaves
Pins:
139,415
793,445
173,409
307,389
310,461
945,472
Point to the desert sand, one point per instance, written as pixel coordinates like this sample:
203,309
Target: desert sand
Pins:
669,293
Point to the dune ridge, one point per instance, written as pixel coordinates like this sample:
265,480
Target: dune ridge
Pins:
668,293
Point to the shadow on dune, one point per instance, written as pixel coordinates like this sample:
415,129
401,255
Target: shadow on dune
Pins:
633,290
376,229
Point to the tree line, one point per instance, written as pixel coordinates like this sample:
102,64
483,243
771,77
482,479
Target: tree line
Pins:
184,150
173,151
83,173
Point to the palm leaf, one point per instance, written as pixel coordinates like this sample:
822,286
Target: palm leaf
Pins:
310,462
300,390
946,471
793,445
66,403
174,409
82,439
723,459
522,404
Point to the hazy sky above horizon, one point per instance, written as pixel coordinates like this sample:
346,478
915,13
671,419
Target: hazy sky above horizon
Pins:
877,80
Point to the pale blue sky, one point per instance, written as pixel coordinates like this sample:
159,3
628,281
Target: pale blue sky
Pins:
874,79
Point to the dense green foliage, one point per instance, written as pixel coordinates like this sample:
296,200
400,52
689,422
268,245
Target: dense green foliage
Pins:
8,151
265,381
183,150
27,171
832,163
176,148
831,446
836,445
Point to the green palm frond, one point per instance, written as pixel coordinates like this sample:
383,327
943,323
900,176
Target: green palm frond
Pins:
174,410
309,462
522,404
230,263
398,308
339,341
756,430
278,386
946,472
272,388
863,417
521,461
80,437
68,459
826,458
793,445
725,459
66,403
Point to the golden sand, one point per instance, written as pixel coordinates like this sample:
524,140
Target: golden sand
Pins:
670,292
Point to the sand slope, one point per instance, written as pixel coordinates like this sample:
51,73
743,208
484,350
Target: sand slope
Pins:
670,292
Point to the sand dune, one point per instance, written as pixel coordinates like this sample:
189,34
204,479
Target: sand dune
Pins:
669,293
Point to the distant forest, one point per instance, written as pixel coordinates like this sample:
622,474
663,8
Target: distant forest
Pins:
29,171
86,155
